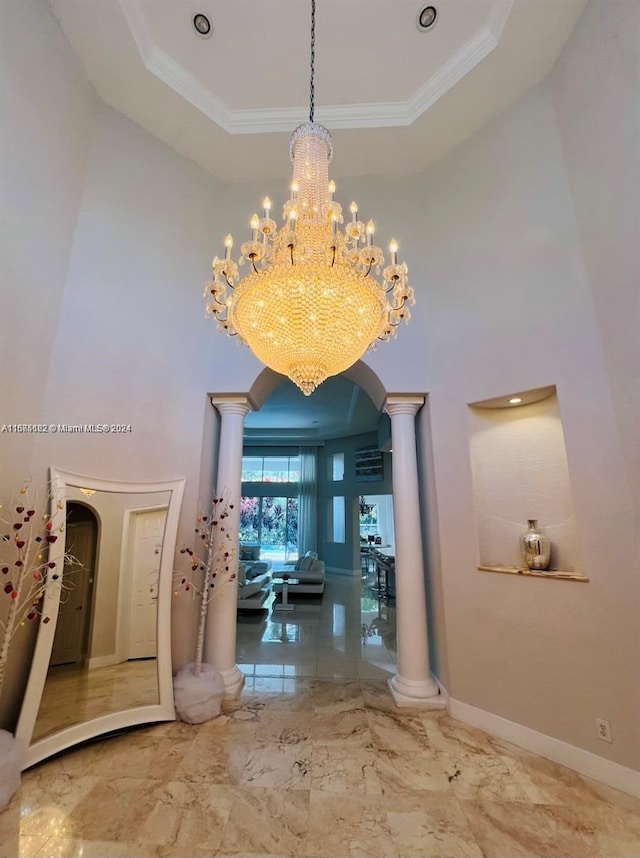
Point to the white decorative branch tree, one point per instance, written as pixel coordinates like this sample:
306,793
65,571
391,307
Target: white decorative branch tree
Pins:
211,558
28,526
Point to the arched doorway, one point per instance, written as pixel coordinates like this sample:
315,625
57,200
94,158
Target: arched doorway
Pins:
412,683
75,616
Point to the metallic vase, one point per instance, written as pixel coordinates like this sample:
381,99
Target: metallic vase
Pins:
536,547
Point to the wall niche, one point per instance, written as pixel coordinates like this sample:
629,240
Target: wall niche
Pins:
520,472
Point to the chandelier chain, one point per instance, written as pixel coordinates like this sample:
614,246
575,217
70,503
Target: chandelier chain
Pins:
316,296
313,62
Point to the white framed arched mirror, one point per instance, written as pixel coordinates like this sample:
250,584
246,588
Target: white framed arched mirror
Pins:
102,661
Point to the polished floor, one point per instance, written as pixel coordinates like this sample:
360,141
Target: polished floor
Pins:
314,760
73,693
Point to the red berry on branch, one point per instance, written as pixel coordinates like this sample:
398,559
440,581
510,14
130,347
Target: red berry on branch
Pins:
19,509
17,525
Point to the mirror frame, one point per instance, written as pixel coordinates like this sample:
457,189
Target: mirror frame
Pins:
162,711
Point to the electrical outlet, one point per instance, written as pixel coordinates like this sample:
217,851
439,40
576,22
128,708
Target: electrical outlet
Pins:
603,730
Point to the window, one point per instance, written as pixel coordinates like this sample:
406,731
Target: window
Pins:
336,519
273,523
336,467
369,519
270,504
271,469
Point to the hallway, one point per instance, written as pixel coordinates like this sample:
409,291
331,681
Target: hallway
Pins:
348,633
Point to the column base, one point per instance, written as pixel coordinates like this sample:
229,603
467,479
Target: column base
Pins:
410,692
233,682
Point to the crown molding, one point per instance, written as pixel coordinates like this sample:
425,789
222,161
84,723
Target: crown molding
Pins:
387,114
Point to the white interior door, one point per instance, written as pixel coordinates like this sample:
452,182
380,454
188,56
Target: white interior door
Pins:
146,550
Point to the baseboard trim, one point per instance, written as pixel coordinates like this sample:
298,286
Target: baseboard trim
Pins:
584,762
104,661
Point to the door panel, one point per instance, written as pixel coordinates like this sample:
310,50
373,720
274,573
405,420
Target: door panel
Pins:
74,613
145,569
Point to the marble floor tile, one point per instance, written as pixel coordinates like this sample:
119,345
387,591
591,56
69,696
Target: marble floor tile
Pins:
270,821
331,697
482,776
221,763
315,767
184,815
336,770
397,731
287,729
70,848
348,729
44,803
519,830
24,846
279,766
408,772
447,734
432,825
357,827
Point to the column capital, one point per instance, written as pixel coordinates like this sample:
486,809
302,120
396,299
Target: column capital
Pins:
232,403
403,403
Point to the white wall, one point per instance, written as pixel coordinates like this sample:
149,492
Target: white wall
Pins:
47,108
596,97
133,346
510,309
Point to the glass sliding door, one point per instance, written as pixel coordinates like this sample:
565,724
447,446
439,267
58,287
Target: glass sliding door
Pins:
273,523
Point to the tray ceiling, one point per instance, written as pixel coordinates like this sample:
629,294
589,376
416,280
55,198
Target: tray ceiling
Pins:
394,98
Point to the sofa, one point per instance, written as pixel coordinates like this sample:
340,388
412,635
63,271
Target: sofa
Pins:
250,555
254,587
308,570
254,578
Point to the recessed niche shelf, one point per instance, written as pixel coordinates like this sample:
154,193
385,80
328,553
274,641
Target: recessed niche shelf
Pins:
520,472
551,573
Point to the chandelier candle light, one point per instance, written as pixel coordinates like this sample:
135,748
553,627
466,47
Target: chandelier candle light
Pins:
310,306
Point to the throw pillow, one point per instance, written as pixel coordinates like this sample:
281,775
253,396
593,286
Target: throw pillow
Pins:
245,553
242,575
306,564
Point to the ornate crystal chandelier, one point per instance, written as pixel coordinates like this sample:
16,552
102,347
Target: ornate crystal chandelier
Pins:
309,307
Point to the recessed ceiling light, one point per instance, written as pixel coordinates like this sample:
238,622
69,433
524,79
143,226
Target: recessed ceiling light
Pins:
202,25
515,400
426,19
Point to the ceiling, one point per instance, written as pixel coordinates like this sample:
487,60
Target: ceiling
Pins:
394,98
337,408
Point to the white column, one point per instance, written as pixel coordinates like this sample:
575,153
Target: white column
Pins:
413,684
220,631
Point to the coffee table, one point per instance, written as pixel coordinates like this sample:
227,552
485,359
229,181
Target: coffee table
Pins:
284,580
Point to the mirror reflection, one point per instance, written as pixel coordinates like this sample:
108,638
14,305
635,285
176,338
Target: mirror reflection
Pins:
104,654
